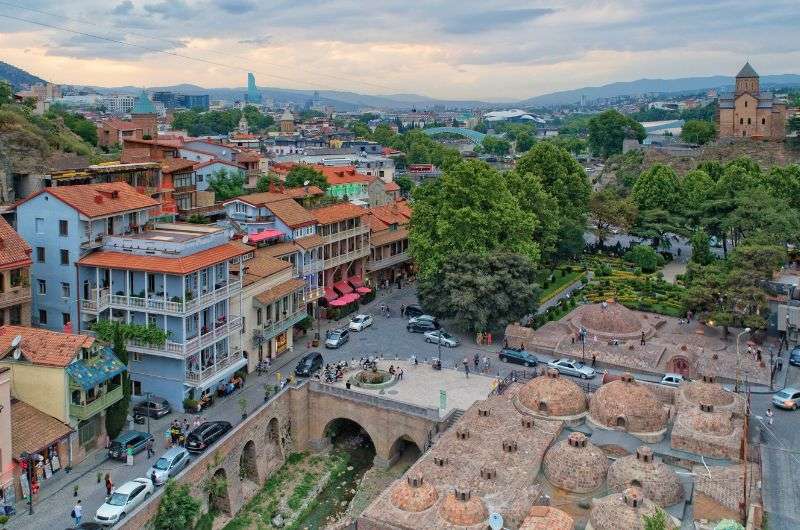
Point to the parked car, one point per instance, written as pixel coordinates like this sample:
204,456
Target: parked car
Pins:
417,318
123,501
360,322
136,440
788,398
170,464
309,363
519,356
441,336
422,326
794,356
337,338
672,379
414,311
205,435
155,407
574,368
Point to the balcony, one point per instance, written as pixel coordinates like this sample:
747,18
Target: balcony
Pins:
347,257
15,295
388,262
316,265
312,293
86,410
344,234
181,350
197,378
271,329
98,302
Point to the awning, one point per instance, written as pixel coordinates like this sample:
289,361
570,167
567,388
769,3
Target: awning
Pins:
363,290
356,281
345,299
330,294
88,373
264,235
343,287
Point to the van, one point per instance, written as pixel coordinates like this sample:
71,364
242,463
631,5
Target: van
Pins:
136,440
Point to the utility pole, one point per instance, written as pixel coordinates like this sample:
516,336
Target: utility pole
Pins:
739,359
147,395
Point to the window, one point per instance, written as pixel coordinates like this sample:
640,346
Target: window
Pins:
741,121
65,319
15,315
748,121
64,256
136,388
40,225
42,286
259,316
65,291
16,277
763,121
40,254
136,356
63,227
42,316
745,103
88,430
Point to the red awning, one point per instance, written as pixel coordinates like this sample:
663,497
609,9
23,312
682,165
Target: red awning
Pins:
345,299
338,303
343,287
363,290
330,294
264,235
356,281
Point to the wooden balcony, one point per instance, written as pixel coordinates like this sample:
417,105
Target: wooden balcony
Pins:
84,411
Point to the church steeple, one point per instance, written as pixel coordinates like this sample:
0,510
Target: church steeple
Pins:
747,80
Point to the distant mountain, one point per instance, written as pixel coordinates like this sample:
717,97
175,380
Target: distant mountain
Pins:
17,76
649,86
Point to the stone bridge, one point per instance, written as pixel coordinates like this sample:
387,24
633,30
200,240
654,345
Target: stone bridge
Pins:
299,418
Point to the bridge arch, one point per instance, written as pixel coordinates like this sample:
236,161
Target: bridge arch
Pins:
474,136
405,446
218,489
248,463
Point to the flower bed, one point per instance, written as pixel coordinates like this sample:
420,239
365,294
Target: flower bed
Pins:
638,291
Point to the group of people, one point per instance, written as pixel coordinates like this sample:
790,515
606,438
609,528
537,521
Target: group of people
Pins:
177,432
397,372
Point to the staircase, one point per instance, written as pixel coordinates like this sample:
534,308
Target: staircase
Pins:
451,420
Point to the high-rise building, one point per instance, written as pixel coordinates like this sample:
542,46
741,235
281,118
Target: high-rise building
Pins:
252,95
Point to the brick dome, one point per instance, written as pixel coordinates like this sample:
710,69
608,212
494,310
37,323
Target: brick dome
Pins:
552,395
622,511
414,494
609,319
575,464
627,405
704,419
657,480
707,391
547,518
461,508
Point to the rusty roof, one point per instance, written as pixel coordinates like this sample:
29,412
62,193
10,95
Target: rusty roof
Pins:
99,200
280,249
279,291
388,236
173,165
262,266
291,213
14,251
33,429
338,212
42,346
180,265
312,241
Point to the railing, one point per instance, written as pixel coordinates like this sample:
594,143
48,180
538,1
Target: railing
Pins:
85,411
344,234
315,266
375,401
346,257
313,293
163,305
197,377
388,262
184,349
99,301
513,377
15,295
276,327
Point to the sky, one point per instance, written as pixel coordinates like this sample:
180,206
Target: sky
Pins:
449,49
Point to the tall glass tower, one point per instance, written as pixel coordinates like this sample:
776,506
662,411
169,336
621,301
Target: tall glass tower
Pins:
252,95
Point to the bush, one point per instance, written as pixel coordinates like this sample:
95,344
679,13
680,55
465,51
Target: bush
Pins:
177,509
367,297
644,257
189,405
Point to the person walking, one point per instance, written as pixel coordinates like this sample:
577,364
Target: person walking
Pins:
150,451
77,512
594,360
476,359
770,414
466,367
642,342
109,485
402,310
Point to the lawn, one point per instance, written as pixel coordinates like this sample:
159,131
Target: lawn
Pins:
562,278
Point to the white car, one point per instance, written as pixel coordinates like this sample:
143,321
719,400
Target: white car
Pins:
360,322
672,379
437,336
123,501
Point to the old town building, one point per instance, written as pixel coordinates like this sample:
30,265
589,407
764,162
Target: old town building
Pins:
749,112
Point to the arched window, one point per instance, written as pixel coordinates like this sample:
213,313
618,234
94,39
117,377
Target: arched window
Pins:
748,121
745,103
741,121
763,121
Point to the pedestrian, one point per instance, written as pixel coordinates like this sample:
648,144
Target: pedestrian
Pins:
594,360
77,512
149,446
642,342
153,477
402,310
186,425
758,355
489,338
476,360
466,367
505,342
400,374
109,485
770,414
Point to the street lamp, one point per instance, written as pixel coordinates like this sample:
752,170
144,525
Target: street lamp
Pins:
583,332
739,358
29,460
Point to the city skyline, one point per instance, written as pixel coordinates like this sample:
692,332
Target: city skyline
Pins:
512,50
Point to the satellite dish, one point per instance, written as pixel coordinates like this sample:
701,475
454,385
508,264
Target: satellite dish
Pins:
16,341
496,521
306,183
245,239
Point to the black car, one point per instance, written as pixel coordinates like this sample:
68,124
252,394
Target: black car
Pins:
205,435
155,407
414,311
519,356
310,363
422,326
794,357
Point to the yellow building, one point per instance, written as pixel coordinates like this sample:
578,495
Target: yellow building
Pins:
750,113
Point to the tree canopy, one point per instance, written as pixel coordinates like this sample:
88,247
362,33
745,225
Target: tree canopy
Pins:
299,175
198,122
608,210
656,188
226,185
608,129
698,131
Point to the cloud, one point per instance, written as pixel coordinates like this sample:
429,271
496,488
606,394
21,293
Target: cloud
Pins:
236,7
178,9
123,8
257,41
490,20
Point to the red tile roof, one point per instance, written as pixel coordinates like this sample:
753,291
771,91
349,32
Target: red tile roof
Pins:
44,347
14,251
299,193
262,266
338,212
335,175
291,213
391,186
120,125
33,429
388,236
248,156
99,200
312,241
181,265
393,213
279,291
258,199
173,165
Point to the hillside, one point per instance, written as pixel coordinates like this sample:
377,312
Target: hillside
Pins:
18,77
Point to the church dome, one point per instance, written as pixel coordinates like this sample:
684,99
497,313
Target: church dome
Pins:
622,511
627,405
657,480
705,390
547,518
461,508
414,495
704,419
552,395
575,464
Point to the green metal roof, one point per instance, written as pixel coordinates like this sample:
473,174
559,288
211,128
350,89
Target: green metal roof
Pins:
143,105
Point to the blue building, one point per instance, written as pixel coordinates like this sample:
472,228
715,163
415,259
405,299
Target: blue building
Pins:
252,96
184,280
62,225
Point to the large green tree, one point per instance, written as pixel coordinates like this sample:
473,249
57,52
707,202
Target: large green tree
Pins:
299,175
696,187
698,131
496,146
608,210
657,188
532,196
226,184
177,510
608,129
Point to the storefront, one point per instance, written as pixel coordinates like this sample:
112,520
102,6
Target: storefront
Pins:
281,342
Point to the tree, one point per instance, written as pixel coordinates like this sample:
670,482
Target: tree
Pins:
482,292
712,168
759,214
299,175
383,134
608,129
701,247
226,185
117,414
468,210
532,197
6,92
784,183
656,225
644,257
265,181
656,188
608,209
696,188
405,184
360,129
524,142
177,509
496,146
698,131
657,521
255,120
571,243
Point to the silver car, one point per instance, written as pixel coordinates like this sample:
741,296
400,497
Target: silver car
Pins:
443,337
574,368
788,398
170,464
672,379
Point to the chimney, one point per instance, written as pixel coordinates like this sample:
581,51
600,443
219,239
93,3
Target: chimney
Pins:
644,454
706,407
632,497
440,461
627,378
462,434
483,412
708,378
462,493
488,473
414,480
527,423
509,446
577,439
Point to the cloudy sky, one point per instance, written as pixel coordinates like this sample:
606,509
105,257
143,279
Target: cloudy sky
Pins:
494,50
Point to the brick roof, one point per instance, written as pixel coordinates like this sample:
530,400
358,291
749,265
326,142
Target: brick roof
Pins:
173,165
262,266
335,175
99,200
291,213
280,249
299,193
279,291
258,199
394,213
14,251
33,429
388,236
120,125
391,186
181,265
338,212
248,156
375,224
42,346
312,241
